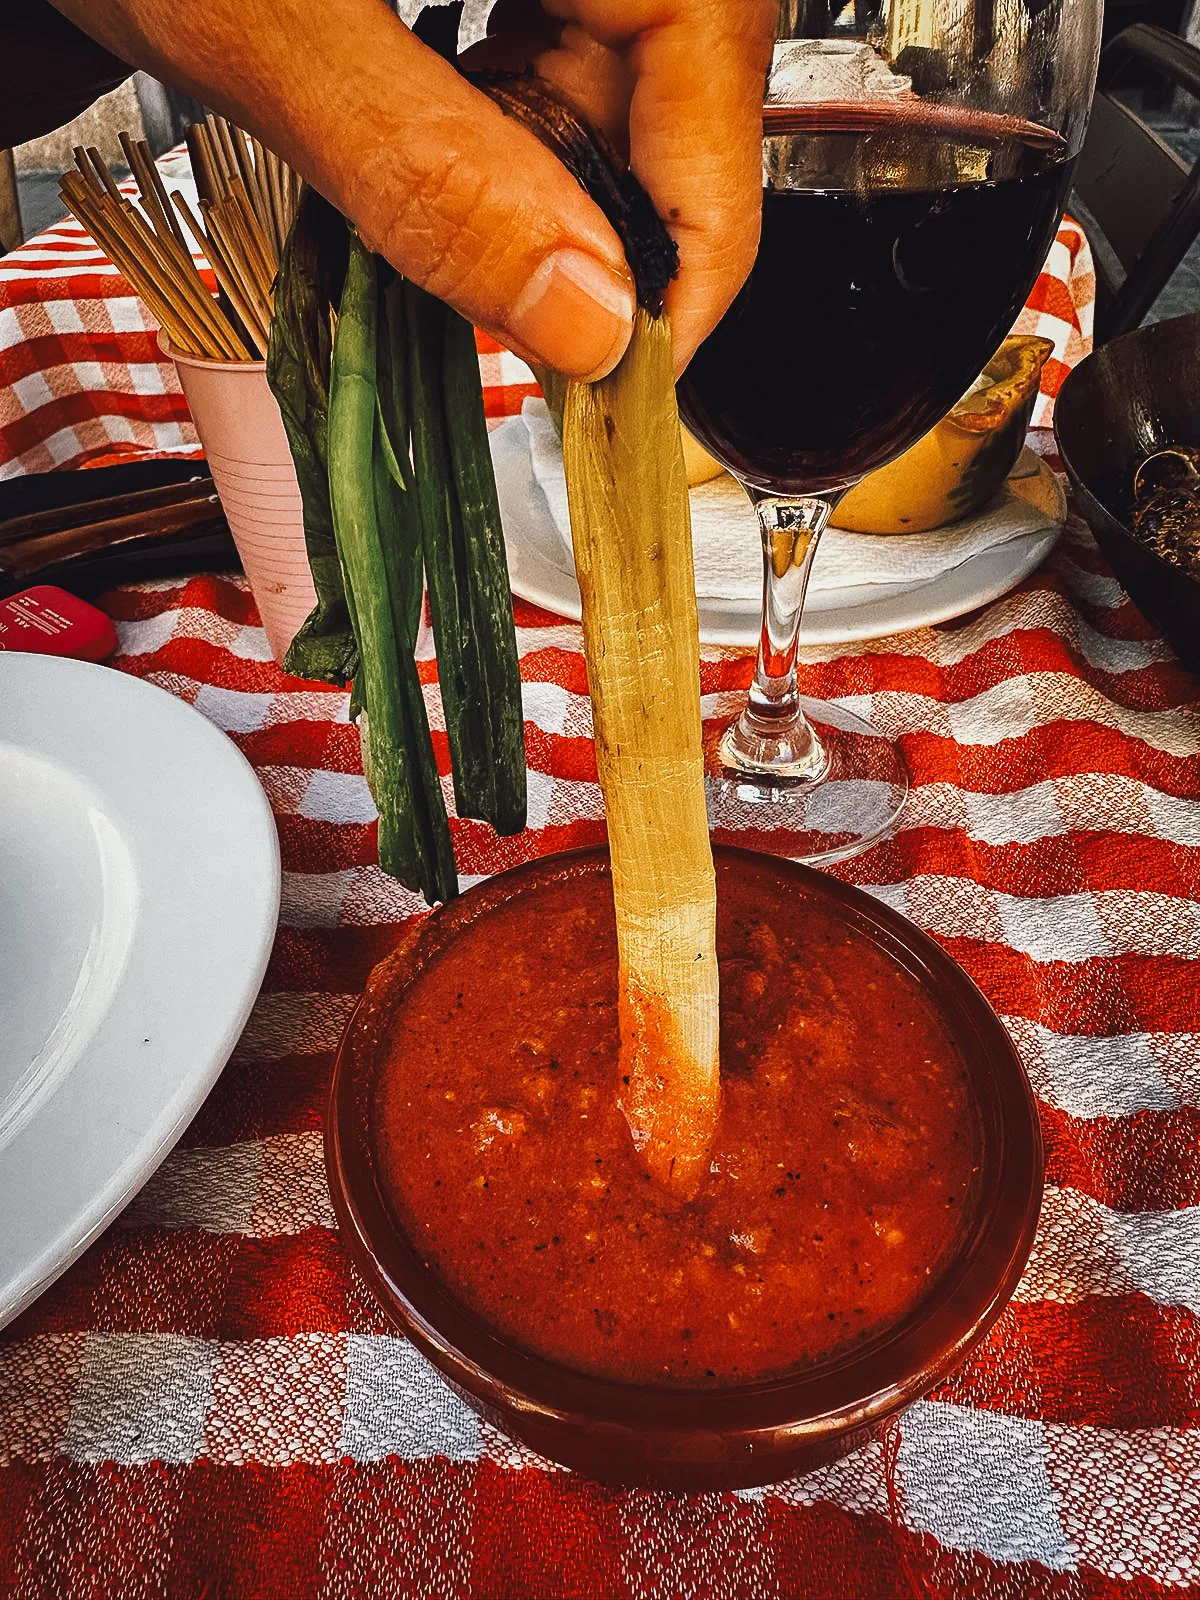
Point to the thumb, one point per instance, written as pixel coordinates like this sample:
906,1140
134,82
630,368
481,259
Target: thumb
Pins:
470,205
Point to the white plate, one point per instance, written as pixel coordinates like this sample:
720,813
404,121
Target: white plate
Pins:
870,611
139,893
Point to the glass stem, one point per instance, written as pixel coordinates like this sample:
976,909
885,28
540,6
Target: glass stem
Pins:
772,737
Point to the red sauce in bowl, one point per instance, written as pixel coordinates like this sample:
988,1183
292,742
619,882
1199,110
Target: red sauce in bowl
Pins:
842,1176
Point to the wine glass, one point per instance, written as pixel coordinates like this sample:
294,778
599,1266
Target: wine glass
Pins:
916,159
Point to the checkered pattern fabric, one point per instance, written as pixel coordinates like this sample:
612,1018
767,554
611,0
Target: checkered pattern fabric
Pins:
210,1404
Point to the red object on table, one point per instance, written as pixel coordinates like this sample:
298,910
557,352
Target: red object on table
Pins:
48,621
209,1403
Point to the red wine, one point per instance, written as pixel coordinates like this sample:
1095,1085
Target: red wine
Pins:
898,245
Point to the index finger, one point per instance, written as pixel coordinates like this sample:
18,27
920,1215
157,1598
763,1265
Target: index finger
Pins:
695,135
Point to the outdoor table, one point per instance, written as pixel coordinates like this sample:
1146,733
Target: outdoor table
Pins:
209,1403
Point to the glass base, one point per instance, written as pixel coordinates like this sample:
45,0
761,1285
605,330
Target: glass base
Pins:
845,797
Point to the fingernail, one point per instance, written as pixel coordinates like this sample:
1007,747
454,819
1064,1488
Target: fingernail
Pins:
576,313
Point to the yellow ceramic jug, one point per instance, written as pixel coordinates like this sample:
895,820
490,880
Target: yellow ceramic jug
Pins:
961,463
954,470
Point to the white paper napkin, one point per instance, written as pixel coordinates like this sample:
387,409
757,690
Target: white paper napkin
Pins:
725,542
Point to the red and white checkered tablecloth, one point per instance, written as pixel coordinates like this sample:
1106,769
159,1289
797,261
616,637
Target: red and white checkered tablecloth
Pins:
209,1404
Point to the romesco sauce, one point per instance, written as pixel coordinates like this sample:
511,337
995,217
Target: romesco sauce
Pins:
840,1179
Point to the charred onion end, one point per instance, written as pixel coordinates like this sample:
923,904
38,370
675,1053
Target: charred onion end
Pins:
672,1102
312,273
631,528
652,254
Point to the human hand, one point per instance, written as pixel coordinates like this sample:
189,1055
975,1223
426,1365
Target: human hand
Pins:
458,196
677,86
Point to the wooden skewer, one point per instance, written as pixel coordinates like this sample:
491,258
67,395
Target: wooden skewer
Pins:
259,245
150,168
277,201
101,169
222,229
248,197
159,220
189,286
250,180
151,214
208,134
176,268
260,258
228,154
132,160
261,166
201,162
167,270
226,275
84,167
182,333
216,159
287,190
225,222
210,248
272,203
256,319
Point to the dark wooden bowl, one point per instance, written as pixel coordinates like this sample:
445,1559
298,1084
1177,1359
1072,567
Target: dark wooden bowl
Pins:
1136,394
672,1437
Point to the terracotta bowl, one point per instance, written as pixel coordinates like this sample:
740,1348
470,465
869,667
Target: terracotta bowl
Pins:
1133,396
690,1439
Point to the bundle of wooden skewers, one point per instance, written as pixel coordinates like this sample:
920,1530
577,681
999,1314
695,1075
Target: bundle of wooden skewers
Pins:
248,197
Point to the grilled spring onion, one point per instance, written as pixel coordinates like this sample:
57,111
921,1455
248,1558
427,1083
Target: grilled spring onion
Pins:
397,754
395,481
631,529
299,354
384,414
432,509
469,596
405,430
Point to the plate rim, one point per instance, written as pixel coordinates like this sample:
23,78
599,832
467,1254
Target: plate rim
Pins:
55,1220
823,627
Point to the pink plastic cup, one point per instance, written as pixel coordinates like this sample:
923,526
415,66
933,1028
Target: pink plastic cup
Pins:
247,450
